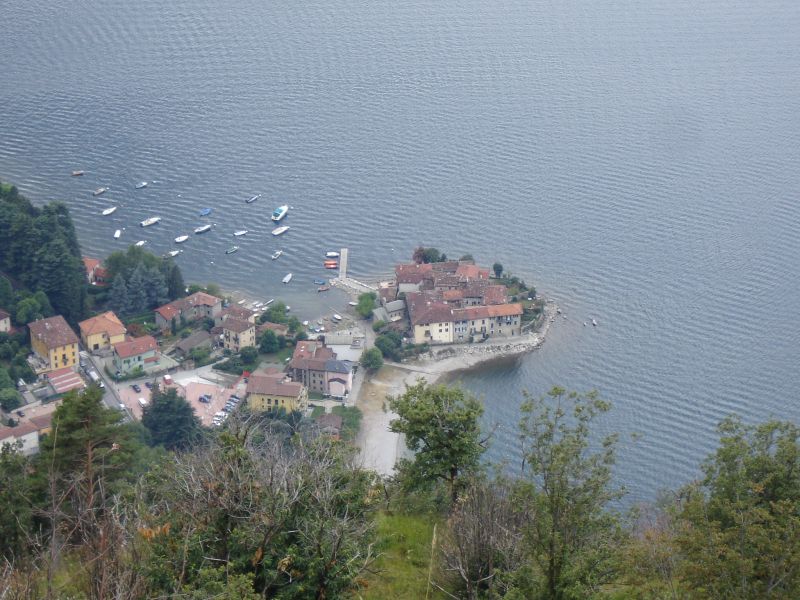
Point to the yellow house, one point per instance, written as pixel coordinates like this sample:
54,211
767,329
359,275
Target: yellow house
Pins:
238,334
271,392
102,331
54,343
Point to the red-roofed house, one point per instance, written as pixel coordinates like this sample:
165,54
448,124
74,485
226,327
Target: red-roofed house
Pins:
63,380
192,308
54,343
275,390
317,367
137,353
102,331
487,321
90,264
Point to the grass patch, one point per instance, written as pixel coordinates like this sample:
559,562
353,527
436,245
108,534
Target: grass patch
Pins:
351,421
280,356
401,571
315,396
317,411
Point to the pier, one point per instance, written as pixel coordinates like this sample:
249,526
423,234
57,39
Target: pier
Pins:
348,283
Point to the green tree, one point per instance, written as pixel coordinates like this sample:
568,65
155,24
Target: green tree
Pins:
6,293
6,382
137,293
428,255
10,399
119,300
276,313
249,355
15,495
389,344
61,276
294,325
567,488
371,359
739,529
498,269
442,428
155,287
176,288
366,304
27,311
467,258
269,342
170,419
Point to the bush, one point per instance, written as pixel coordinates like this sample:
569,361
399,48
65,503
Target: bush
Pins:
249,354
372,359
366,304
378,325
10,399
389,344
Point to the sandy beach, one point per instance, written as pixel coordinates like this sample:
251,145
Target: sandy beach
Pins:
381,448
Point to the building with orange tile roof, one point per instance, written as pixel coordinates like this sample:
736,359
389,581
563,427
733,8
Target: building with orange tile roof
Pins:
102,331
54,342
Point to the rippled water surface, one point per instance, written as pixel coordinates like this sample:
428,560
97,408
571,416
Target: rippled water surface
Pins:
638,161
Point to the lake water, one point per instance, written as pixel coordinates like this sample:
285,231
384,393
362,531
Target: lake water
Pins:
638,161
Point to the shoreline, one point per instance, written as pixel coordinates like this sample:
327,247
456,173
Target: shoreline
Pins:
381,448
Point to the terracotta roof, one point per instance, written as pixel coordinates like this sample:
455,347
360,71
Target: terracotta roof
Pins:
136,346
471,271
276,327
411,273
201,299
104,323
311,355
273,386
19,431
238,312
90,264
194,340
173,309
64,380
237,325
53,332
486,312
424,308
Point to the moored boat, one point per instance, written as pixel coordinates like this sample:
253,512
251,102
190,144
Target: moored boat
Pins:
323,288
77,173
99,191
181,238
202,229
253,199
277,255
331,255
240,233
353,303
270,301
206,211
319,282
150,221
287,278
280,230
232,249
117,233
280,212
140,243
140,185
332,264
172,253
108,211
337,317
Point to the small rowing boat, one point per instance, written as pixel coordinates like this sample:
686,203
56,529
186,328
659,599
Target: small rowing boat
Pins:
337,317
240,233
77,173
117,233
280,230
172,253
206,211
270,301
108,211
331,264
181,238
319,282
202,229
277,255
232,249
323,288
140,185
253,199
331,255
140,243
287,278
150,221
99,191
353,303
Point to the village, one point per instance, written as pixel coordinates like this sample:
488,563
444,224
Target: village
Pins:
213,352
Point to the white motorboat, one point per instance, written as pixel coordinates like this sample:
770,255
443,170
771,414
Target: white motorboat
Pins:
240,302
280,230
331,255
181,238
109,211
141,243
353,303
594,322
202,229
287,278
270,301
232,249
337,317
253,199
240,233
277,255
305,323
150,221
117,233
174,253
141,184
77,173
99,191
280,212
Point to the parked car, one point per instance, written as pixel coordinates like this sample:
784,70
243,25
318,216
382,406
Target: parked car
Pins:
136,387
148,385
